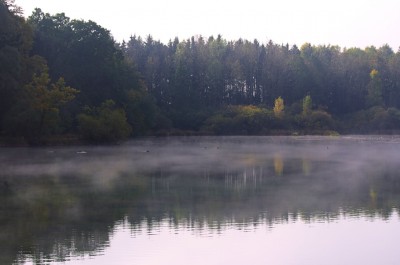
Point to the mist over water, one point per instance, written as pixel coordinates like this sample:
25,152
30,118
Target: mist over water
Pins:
64,202
198,153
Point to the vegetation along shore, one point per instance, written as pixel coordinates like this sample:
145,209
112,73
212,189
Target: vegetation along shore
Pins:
65,81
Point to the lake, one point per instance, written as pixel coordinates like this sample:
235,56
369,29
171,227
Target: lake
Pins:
203,200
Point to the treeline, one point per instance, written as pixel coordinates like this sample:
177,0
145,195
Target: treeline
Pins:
67,77
60,76
234,85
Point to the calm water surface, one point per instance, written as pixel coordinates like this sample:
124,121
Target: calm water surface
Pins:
203,200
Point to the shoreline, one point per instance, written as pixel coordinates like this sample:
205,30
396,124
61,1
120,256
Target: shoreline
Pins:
76,140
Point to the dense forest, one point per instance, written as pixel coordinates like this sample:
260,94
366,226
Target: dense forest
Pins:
63,79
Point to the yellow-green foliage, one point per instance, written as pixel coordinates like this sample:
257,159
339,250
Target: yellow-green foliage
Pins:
242,119
279,107
46,97
247,110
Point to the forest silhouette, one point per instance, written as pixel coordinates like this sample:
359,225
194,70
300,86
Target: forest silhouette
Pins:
65,80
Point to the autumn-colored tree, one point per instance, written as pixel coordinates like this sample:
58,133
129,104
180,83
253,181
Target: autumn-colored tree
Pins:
279,107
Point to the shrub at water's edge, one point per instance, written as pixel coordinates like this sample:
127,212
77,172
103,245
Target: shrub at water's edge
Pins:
104,124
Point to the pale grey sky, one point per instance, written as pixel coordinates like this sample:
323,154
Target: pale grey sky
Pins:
347,23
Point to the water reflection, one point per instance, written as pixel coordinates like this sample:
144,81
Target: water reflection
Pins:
278,164
62,203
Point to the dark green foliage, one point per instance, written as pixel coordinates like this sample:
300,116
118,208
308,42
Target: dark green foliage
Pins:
317,120
374,89
190,85
89,59
252,120
188,76
37,112
376,119
104,124
15,42
85,54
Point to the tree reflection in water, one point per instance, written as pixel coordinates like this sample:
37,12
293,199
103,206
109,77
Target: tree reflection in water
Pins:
60,204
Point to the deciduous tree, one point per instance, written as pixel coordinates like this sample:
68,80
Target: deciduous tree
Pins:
279,107
37,113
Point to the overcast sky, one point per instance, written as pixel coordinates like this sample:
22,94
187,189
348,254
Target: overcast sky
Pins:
347,23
